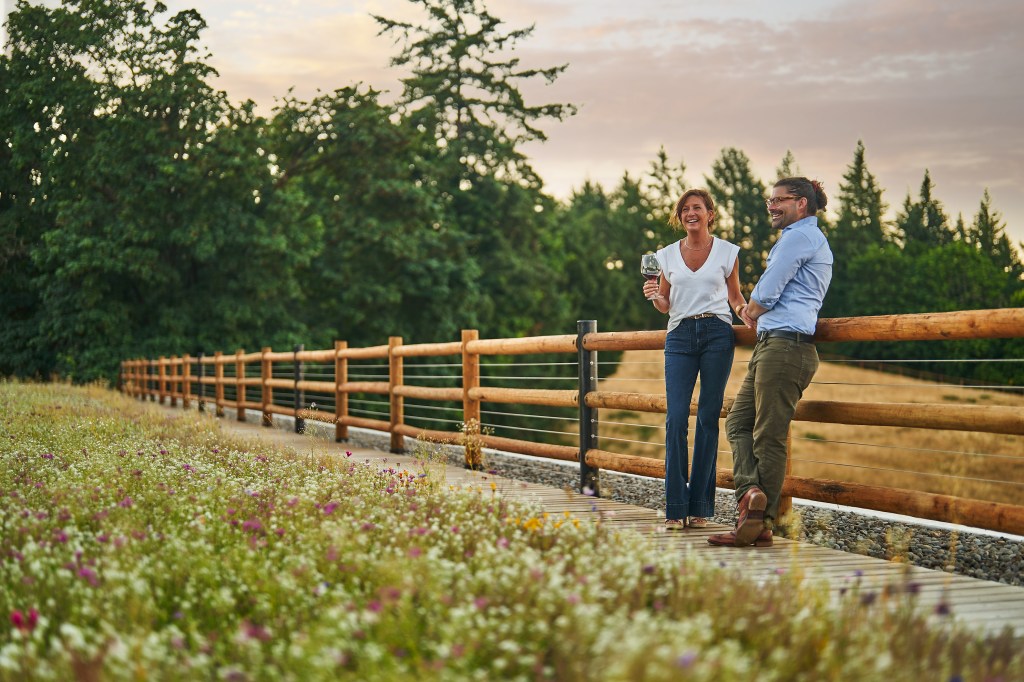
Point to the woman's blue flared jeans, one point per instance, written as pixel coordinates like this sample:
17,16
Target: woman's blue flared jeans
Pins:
702,347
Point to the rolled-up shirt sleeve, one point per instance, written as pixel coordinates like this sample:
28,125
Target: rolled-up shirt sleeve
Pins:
791,251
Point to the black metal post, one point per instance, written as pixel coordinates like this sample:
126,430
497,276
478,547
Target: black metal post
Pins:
300,395
199,374
589,476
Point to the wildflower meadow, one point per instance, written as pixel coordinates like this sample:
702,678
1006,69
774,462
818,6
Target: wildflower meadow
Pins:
140,546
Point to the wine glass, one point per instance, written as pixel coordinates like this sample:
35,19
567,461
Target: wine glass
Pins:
650,268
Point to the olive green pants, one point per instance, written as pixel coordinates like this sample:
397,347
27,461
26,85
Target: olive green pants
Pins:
758,423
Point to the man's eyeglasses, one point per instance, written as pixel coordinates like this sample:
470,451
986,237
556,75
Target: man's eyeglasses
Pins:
775,201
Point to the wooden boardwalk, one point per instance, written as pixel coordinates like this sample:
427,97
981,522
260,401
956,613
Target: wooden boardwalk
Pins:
983,605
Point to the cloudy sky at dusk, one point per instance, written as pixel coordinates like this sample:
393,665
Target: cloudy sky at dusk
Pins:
930,84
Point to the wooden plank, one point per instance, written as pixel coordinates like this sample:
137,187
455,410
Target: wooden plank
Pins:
564,343
561,452
327,355
624,341
374,424
429,393
378,387
369,353
980,418
316,386
525,396
429,349
1002,323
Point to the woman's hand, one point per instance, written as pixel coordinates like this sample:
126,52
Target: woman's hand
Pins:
741,312
652,290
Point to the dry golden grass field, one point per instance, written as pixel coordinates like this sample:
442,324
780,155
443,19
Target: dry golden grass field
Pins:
965,464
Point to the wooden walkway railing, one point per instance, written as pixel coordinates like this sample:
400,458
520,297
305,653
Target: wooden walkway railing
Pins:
172,379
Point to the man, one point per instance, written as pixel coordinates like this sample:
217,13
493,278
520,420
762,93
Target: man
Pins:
784,306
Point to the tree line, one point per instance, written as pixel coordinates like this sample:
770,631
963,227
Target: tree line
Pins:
142,213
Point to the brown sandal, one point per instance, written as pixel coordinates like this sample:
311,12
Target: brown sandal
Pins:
697,522
675,524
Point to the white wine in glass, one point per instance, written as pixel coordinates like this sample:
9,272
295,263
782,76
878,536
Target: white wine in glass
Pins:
650,268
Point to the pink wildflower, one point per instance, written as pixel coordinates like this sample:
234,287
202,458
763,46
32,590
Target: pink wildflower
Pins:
255,631
26,622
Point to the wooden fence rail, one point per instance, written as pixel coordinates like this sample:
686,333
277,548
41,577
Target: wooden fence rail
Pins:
171,379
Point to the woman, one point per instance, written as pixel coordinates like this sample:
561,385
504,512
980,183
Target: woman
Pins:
699,283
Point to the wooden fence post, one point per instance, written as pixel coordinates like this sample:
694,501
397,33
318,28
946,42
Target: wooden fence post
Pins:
589,476
218,385
267,392
340,396
173,380
471,426
186,381
298,394
396,402
200,374
162,381
140,369
240,397
470,377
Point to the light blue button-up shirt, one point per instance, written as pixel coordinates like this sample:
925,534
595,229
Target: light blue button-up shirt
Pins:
794,283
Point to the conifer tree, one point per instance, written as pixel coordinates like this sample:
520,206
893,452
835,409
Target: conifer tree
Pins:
860,224
923,224
788,167
664,185
464,89
988,234
741,212
463,92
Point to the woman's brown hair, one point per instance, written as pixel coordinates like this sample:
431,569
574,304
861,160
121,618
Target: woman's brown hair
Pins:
675,220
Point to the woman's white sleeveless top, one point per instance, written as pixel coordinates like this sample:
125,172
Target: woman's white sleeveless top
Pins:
703,291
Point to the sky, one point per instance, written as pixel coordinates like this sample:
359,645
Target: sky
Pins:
926,84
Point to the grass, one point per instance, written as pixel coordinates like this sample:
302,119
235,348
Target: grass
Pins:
960,463
138,546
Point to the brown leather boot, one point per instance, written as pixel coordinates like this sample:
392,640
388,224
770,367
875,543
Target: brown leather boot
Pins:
764,539
751,522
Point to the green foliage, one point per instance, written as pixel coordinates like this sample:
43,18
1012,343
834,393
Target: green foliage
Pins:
788,167
988,234
942,279
464,94
464,89
859,230
388,262
923,224
132,211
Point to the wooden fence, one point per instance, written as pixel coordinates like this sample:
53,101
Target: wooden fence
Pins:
171,379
